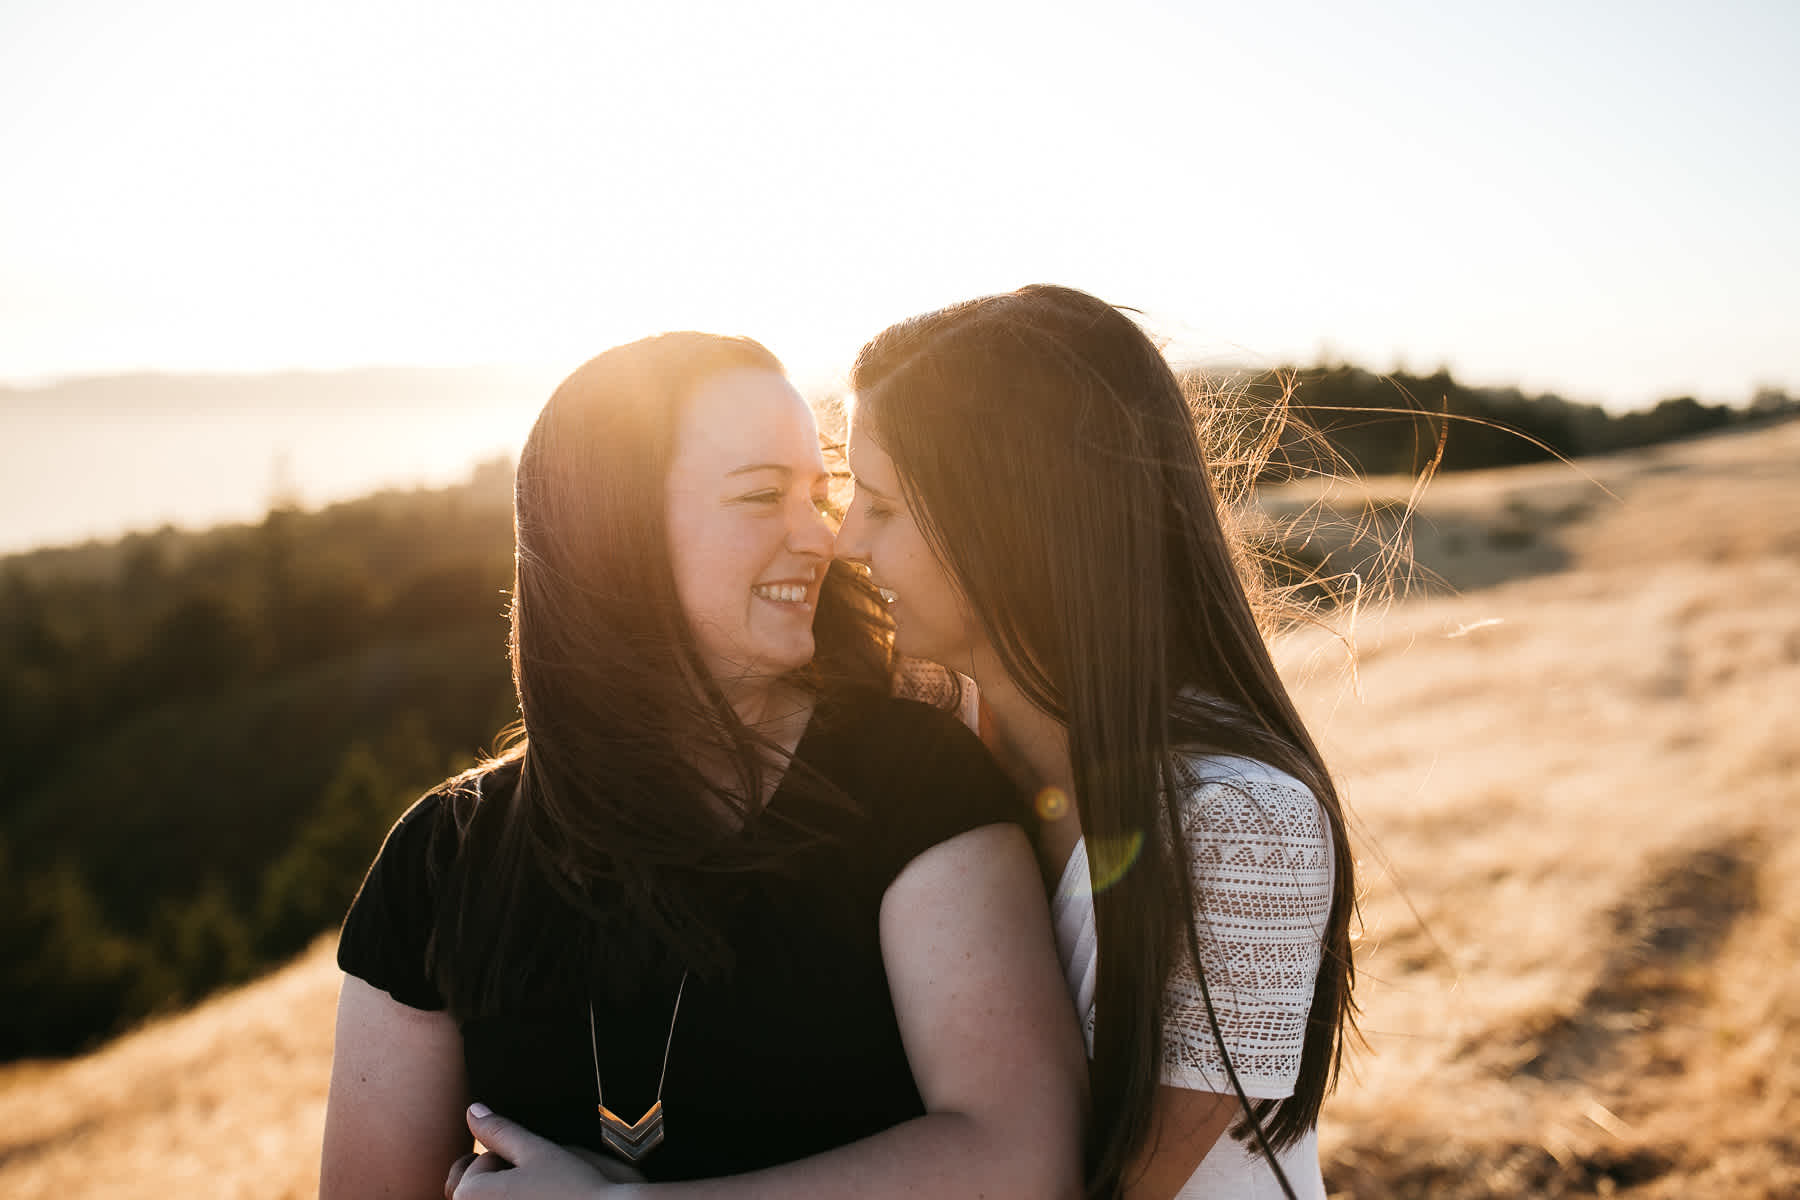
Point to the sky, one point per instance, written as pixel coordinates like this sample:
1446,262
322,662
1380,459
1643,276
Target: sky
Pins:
1592,198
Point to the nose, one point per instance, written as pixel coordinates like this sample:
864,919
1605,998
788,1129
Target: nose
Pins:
850,546
810,533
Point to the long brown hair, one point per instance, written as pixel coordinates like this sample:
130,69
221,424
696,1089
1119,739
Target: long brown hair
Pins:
1046,419
600,791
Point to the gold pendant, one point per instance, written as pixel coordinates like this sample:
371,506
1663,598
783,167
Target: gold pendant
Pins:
632,1141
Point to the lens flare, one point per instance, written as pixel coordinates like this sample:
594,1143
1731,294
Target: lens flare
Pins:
1052,804
1110,858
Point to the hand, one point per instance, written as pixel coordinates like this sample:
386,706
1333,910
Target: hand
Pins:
519,1165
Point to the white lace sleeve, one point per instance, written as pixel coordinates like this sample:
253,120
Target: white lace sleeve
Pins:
926,681
1261,856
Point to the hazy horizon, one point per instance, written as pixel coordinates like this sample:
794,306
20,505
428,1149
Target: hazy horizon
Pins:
213,449
97,457
1590,200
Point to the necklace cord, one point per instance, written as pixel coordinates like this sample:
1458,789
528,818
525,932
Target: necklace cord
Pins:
594,1041
668,1045
594,1044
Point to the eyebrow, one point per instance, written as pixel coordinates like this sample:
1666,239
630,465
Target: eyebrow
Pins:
866,486
752,468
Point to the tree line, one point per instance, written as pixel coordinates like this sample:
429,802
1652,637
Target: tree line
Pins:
209,733
1390,424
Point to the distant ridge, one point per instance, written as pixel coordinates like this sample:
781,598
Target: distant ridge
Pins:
97,457
139,391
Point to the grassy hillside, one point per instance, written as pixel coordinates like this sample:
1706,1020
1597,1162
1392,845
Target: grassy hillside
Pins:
1581,948
1576,785
208,734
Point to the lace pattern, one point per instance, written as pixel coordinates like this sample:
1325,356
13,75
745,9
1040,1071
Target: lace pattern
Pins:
1261,856
926,681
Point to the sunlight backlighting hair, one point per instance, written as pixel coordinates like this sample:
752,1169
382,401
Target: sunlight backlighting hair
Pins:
1052,461
617,707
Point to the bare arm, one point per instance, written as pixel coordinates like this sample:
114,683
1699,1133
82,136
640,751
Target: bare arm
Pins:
1184,1127
989,1032
394,1120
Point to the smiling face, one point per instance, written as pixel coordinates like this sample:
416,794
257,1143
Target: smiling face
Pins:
748,540
931,619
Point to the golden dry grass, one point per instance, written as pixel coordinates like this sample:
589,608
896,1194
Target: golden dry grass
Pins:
1582,777
1585,783
227,1100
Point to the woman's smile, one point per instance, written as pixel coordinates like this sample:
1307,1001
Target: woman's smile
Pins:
796,594
748,538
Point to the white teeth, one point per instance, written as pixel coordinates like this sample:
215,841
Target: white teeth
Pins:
787,593
887,597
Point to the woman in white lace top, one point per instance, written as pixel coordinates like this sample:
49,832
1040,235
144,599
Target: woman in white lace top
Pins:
1034,502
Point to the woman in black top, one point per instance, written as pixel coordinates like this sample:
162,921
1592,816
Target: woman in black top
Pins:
723,891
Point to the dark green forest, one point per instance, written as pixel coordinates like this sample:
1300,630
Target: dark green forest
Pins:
1390,424
207,734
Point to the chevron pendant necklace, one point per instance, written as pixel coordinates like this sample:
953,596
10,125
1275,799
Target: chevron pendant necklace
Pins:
632,1141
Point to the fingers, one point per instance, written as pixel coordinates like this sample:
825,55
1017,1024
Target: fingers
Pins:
535,1167
456,1173
508,1139
488,1164
608,1166
465,1177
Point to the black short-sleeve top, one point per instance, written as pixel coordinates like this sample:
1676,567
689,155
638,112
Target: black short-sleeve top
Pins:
796,1048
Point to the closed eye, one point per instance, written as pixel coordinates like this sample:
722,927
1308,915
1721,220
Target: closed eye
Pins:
876,507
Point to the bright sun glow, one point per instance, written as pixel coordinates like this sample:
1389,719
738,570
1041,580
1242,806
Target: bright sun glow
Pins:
212,185
203,185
